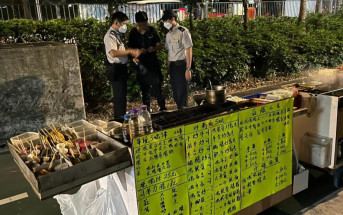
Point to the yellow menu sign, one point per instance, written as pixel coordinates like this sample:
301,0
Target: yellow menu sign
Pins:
160,172
226,164
199,168
265,134
217,166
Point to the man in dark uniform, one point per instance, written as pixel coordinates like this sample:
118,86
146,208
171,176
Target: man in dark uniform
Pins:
148,69
179,45
117,57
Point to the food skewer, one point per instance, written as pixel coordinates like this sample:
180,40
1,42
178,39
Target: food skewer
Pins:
22,145
44,133
49,135
34,148
53,127
84,140
14,148
15,145
72,153
41,138
78,147
52,161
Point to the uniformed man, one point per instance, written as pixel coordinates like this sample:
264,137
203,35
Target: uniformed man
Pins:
117,57
148,68
179,45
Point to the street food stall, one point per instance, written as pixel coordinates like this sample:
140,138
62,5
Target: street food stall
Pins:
231,156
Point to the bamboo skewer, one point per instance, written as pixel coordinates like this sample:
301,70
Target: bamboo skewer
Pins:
14,148
31,145
46,134
72,153
54,127
52,161
34,148
22,145
50,147
15,145
43,142
36,151
78,147
84,140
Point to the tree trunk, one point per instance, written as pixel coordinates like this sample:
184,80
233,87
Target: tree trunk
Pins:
191,17
318,6
26,7
110,8
245,13
302,13
339,5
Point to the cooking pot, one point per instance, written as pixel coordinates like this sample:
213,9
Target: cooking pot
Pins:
216,95
218,87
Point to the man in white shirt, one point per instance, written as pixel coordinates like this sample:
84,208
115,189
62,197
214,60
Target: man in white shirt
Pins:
117,57
179,45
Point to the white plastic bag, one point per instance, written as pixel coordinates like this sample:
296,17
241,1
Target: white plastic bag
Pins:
115,204
78,203
104,196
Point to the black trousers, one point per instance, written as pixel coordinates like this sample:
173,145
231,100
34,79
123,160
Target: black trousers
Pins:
178,82
117,75
150,77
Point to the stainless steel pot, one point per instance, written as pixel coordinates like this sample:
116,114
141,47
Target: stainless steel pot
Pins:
218,87
216,95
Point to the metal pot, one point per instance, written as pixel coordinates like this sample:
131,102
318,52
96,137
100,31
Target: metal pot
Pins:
216,95
218,87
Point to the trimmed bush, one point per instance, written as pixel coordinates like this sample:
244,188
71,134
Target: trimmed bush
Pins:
223,51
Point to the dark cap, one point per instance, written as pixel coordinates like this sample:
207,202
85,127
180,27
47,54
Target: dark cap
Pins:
141,16
168,14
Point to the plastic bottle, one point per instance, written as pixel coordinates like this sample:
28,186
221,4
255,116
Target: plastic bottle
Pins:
126,128
145,124
135,125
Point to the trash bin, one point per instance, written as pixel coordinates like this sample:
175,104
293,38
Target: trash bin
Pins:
315,150
251,13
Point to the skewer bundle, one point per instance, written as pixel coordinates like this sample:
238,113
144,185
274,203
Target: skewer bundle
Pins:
52,144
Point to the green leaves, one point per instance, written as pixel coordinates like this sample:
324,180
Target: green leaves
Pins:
223,51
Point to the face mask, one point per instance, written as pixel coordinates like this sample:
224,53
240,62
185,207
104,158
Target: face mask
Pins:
123,29
167,25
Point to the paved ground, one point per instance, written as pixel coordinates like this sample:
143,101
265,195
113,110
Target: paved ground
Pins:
332,204
12,183
320,186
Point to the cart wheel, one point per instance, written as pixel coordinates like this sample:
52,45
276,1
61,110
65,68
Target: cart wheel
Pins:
338,177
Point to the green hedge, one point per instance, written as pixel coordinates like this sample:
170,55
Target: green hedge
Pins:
223,50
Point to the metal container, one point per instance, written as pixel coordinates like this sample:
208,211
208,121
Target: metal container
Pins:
218,87
216,95
115,157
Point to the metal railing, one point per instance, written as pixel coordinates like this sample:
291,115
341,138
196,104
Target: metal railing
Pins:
290,8
155,11
39,12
